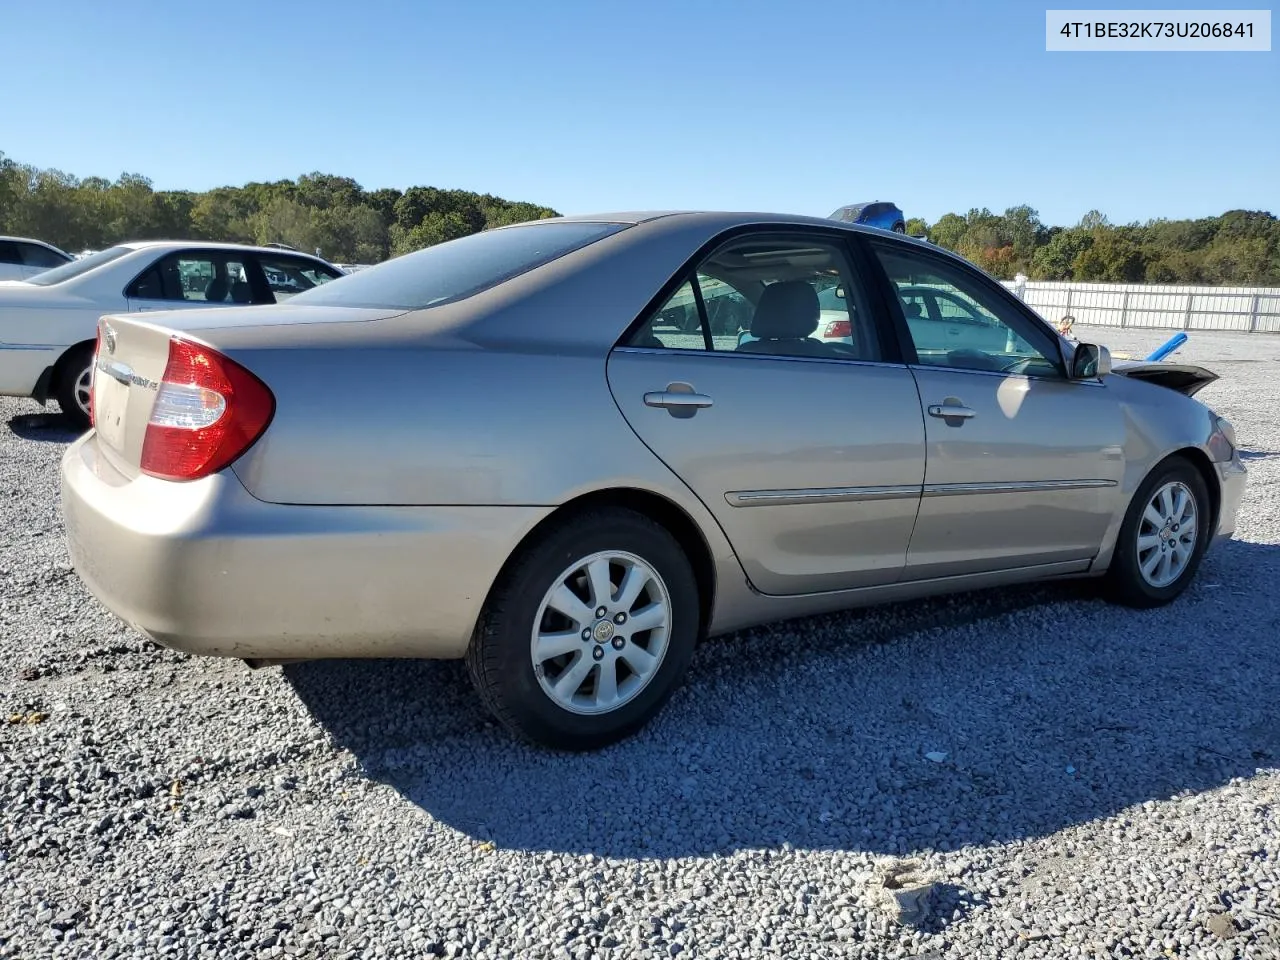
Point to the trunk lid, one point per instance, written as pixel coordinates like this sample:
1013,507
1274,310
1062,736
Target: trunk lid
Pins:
133,352
1185,378
126,378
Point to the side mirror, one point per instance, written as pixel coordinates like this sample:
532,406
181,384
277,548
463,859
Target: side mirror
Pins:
1090,361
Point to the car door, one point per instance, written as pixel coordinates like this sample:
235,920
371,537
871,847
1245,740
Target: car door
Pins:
188,279
1023,465
809,454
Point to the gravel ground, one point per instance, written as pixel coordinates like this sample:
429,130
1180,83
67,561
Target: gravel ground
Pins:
1071,779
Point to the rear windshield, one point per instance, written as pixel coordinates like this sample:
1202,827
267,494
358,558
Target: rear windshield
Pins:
77,267
457,268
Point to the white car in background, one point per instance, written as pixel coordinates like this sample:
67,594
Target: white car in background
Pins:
22,257
49,322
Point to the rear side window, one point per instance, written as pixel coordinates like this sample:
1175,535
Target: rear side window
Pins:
34,255
458,268
188,277
76,268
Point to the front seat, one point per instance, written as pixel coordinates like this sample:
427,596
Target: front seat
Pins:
787,313
216,291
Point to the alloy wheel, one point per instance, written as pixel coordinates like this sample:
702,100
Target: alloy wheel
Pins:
601,632
1167,534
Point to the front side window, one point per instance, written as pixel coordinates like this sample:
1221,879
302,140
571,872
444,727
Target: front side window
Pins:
458,268
9,253
956,321
188,277
289,276
781,297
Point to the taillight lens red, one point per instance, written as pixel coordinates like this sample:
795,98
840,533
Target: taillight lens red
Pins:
839,328
208,411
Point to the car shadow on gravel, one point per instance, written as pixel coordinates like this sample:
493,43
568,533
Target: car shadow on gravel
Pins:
976,719
47,427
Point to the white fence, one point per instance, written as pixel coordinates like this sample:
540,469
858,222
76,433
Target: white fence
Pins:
1154,306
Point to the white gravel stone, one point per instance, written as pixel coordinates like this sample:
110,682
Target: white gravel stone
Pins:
160,805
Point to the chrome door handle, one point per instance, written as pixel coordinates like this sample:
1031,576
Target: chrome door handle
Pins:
679,399
665,398
949,411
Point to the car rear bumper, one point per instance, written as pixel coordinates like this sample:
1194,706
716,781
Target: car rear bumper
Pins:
206,568
1232,476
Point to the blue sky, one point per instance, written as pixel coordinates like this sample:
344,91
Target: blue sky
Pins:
593,105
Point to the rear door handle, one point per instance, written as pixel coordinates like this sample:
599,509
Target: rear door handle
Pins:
949,411
679,399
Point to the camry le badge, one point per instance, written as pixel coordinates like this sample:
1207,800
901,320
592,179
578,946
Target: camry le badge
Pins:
109,334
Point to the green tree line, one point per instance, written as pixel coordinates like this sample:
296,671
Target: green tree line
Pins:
318,210
349,224
1238,248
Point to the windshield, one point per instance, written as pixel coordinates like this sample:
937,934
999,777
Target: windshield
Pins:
850,213
457,268
77,267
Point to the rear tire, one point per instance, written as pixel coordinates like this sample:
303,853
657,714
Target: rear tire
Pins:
899,228
72,389
554,670
1156,554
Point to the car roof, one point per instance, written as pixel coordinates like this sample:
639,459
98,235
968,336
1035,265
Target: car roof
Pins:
212,245
717,219
713,222
43,243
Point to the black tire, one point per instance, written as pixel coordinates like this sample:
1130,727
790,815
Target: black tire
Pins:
75,364
499,657
1125,583
899,228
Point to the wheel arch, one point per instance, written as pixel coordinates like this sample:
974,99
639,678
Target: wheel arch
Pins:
1191,454
670,515
1204,466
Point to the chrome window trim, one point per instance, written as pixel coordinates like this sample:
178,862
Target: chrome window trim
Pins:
689,351
1003,375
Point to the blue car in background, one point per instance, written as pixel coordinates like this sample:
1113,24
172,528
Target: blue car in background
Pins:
875,213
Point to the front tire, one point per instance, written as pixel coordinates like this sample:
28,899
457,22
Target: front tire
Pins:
588,633
1165,533
899,228
72,390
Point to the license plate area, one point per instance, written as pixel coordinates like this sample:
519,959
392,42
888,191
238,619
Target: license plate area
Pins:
110,404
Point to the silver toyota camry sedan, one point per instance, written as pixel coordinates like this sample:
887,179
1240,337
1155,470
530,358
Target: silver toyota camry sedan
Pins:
548,449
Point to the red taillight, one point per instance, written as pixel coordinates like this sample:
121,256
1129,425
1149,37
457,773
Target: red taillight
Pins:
839,328
208,411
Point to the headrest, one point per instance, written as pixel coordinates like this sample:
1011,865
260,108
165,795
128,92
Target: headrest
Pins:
787,310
